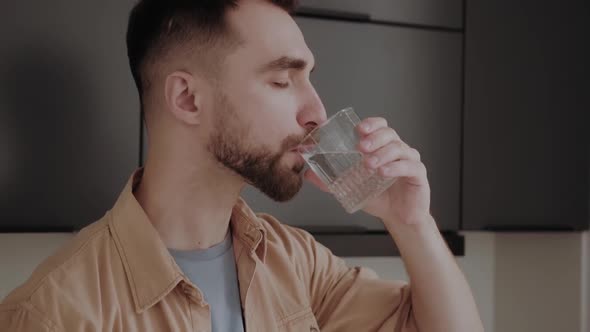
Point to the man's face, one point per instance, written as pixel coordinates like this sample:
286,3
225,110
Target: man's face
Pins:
265,103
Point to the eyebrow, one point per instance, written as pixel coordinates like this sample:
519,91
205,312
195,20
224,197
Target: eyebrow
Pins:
285,63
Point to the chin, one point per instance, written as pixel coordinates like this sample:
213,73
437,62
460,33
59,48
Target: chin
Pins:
290,185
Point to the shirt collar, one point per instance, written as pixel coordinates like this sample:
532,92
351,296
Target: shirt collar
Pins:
149,267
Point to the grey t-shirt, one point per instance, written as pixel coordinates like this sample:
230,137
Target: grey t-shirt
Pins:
213,270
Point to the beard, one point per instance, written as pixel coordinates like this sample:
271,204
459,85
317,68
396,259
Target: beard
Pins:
258,166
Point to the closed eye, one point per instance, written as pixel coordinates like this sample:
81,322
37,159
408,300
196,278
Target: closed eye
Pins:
281,85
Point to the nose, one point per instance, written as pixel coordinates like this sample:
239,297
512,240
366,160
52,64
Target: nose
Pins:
313,113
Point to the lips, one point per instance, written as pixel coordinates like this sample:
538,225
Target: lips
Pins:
299,168
303,148
299,162
300,158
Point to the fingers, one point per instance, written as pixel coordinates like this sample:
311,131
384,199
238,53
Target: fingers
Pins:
387,153
405,168
384,151
384,145
370,125
394,151
377,139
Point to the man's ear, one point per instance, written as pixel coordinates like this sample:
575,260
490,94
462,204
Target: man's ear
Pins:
183,98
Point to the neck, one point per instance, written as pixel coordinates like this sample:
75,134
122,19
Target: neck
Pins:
190,206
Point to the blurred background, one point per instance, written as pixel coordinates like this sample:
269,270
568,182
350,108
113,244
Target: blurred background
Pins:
495,94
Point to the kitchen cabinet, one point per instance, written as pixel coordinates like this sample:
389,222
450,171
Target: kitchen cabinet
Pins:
69,116
527,105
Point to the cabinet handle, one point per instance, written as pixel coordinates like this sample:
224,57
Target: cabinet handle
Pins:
304,11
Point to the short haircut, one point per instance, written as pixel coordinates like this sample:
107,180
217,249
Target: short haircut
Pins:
156,27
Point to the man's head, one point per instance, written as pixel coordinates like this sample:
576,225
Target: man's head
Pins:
229,80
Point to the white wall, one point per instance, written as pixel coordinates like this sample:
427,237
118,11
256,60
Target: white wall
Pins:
20,254
538,282
521,282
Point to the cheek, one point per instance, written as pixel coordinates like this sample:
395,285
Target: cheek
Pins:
263,135
272,112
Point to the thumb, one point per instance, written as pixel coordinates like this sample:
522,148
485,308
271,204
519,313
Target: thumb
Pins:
310,176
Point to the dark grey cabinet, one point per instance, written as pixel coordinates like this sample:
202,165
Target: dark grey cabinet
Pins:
434,13
527,106
412,77
69,118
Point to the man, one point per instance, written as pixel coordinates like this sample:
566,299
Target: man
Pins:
225,90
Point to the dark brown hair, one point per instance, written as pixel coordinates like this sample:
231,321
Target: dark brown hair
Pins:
156,26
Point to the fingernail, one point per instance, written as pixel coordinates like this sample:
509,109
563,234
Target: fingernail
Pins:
366,127
367,144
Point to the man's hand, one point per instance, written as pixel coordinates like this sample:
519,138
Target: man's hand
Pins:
407,201
442,303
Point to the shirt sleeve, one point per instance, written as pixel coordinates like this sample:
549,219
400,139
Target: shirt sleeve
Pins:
354,298
23,317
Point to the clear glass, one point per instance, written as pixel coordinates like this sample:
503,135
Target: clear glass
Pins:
331,151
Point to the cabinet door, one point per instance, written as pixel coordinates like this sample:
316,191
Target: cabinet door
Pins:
527,115
69,117
446,14
412,78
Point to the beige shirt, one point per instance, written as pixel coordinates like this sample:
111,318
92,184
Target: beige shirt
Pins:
117,275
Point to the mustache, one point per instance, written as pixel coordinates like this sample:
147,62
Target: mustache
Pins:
292,141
